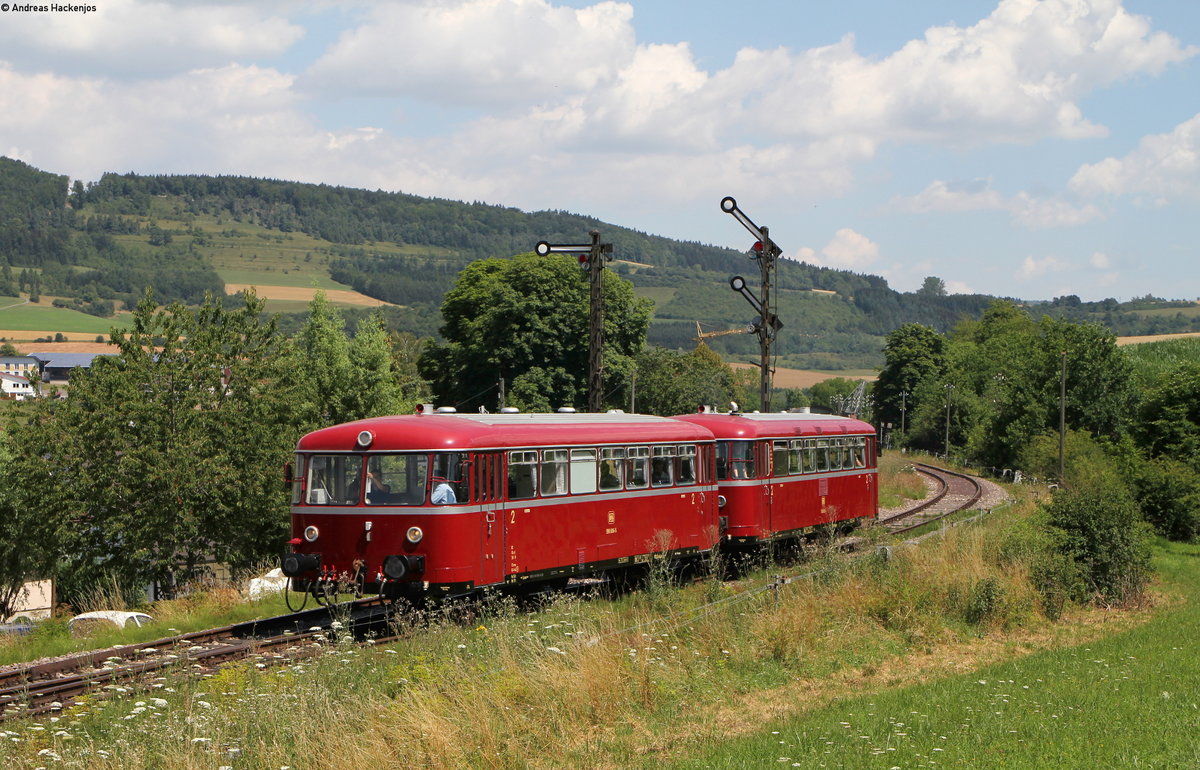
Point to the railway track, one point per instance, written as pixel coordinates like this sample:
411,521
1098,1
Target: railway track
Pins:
50,686
953,492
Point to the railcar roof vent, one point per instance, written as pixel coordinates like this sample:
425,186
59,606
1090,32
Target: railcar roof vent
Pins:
566,410
446,410
510,410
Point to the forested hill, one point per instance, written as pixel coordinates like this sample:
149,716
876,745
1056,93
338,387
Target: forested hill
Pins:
102,243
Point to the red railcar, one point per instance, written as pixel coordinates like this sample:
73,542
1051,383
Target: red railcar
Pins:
780,474
445,504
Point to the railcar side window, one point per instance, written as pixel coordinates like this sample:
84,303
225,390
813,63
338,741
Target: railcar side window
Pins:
662,466
687,465
822,452
796,457
522,475
449,469
297,478
835,453
334,479
612,469
779,459
554,472
860,452
740,459
583,471
396,479
639,467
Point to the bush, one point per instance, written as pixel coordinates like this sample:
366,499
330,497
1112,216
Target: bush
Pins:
1168,492
1099,531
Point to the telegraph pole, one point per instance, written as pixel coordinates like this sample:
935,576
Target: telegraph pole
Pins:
949,391
765,251
592,257
1062,422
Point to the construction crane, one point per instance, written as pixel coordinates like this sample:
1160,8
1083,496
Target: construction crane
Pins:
701,336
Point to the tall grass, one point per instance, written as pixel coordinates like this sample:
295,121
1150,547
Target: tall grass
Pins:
626,682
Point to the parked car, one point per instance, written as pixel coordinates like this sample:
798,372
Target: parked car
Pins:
88,622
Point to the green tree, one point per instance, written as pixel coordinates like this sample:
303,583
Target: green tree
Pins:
26,551
166,454
671,382
932,286
324,359
913,354
1169,416
526,319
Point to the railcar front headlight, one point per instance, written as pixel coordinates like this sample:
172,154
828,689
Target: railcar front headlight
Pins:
311,533
414,535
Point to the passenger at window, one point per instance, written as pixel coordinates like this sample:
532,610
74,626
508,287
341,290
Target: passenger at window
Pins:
443,493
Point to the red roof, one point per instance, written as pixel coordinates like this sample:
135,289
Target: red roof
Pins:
478,431
776,424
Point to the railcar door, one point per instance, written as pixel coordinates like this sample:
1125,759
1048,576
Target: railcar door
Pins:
487,483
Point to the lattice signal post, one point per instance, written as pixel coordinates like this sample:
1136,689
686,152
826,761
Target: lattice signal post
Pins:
592,257
768,324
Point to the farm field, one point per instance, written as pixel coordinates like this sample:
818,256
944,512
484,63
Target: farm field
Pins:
1154,338
806,378
20,320
304,295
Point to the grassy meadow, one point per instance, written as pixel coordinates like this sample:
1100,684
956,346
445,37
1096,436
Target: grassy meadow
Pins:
940,655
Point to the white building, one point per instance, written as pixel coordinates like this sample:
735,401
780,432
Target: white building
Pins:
15,386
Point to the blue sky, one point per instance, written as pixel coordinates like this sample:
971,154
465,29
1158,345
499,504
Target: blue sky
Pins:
1027,148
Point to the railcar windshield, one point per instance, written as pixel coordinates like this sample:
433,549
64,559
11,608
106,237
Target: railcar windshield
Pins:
735,460
334,479
396,479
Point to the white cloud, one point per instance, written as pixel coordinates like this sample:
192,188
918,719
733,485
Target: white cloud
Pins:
480,51
1015,76
954,197
1164,166
135,38
1036,268
1038,213
1100,261
959,287
847,250
977,195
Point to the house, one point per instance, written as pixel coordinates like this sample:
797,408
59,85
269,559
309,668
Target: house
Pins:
17,387
29,367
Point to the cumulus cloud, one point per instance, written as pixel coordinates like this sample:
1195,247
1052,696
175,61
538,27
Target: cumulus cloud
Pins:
1038,213
1015,76
977,195
954,197
1036,268
959,287
480,51
140,39
847,250
1163,167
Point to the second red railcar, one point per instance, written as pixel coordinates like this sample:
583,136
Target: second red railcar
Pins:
781,474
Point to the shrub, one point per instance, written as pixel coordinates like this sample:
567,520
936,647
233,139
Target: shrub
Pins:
1168,493
1099,531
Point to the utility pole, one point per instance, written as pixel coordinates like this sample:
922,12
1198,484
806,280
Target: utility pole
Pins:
765,251
1062,421
592,257
949,391
903,396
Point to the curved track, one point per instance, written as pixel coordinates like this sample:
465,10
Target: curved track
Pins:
953,492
